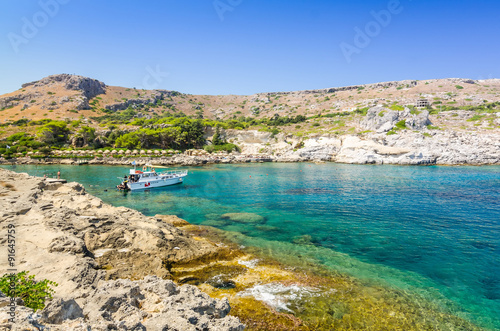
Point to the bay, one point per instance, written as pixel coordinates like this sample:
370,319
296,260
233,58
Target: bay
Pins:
431,231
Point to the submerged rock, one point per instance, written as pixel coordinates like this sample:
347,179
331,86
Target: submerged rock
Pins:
267,228
244,217
303,240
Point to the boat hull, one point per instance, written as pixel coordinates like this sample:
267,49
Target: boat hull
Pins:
155,182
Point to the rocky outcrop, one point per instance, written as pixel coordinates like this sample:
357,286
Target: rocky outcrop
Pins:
112,264
148,304
155,96
89,87
408,148
11,101
22,98
380,119
414,145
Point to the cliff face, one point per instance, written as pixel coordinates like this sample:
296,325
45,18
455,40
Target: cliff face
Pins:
111,264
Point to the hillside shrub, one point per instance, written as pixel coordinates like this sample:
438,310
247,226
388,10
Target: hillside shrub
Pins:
24,286
401,125
217,148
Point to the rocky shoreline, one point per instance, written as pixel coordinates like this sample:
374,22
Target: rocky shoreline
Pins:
111,263
409,148
349,150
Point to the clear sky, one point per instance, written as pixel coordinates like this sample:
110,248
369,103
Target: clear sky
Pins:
248,46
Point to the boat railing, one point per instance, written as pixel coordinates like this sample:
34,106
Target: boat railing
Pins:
173,172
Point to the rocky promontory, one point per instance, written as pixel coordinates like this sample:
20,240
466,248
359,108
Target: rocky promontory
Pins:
111,263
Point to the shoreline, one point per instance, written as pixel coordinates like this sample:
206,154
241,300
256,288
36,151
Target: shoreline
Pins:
186,160
188,254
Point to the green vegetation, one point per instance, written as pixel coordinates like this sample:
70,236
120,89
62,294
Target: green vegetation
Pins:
87,134
225,147
172,130
476,117
182,134
53,133
459,87
18,143
414,111
220,144
401,125
217,140
362,111
397,107
493,107
24,286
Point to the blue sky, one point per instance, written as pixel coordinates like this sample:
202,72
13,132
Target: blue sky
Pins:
244,46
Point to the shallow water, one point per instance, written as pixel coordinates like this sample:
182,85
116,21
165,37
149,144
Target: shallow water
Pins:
431,231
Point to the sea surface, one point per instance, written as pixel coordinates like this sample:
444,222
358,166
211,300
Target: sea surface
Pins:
431,231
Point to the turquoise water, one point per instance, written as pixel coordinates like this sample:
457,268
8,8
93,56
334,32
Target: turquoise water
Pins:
431,231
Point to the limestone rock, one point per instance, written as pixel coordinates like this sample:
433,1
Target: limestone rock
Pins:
85,246
419,120
172,220
68,244
59,310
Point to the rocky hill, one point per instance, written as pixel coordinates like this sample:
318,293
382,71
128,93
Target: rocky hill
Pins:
70,96
437,121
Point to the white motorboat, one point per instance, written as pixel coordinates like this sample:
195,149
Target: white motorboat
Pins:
149,178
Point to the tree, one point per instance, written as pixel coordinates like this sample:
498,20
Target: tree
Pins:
54,132
169,137
87,134
192,133
216,140
128,140
146,137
